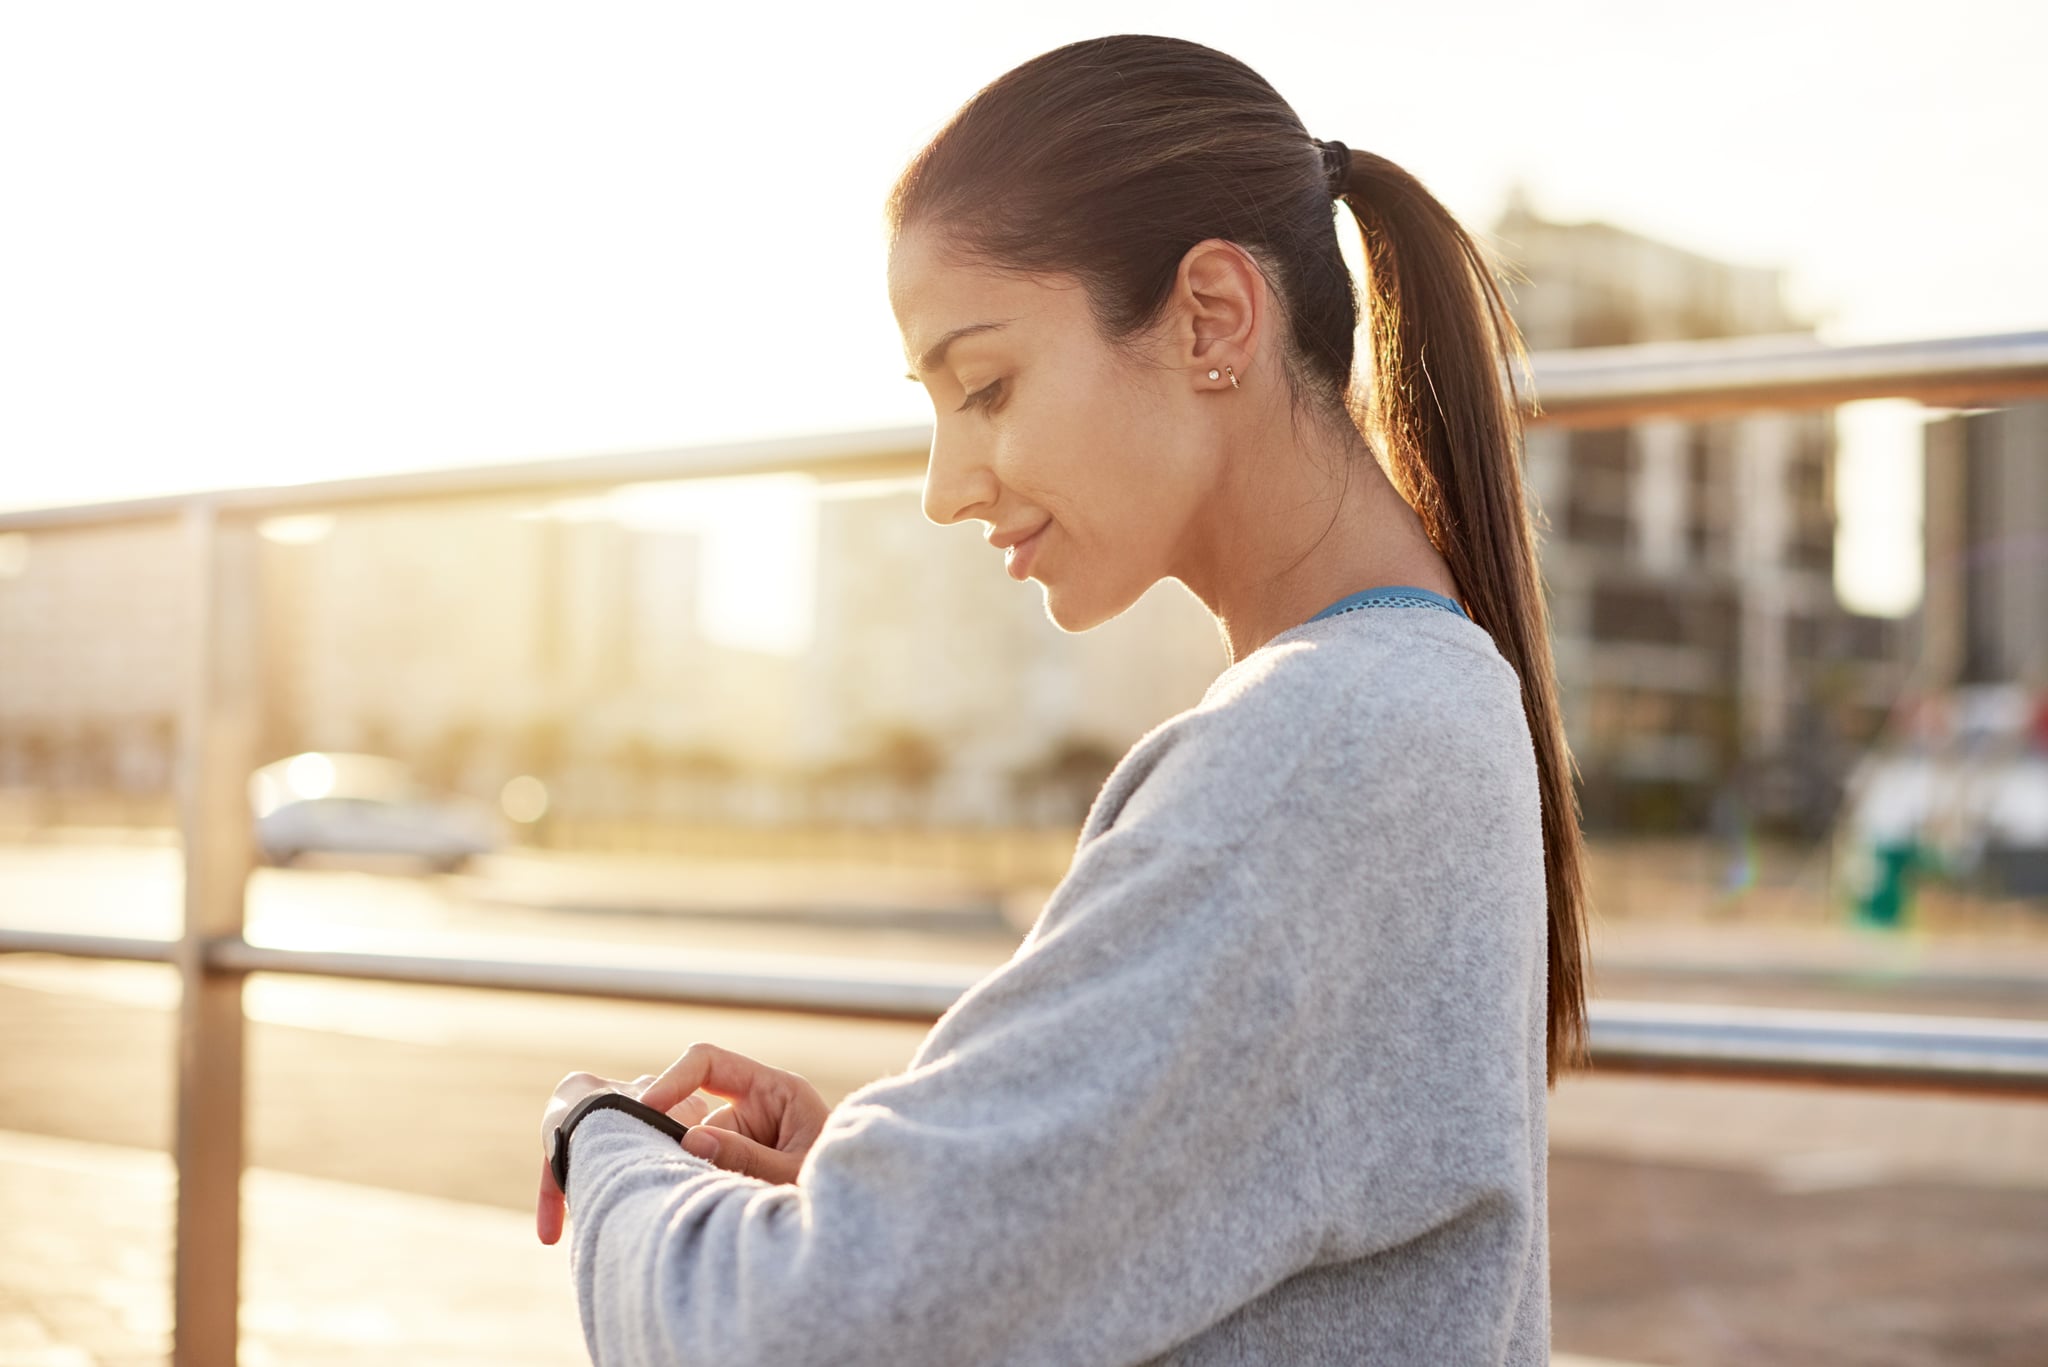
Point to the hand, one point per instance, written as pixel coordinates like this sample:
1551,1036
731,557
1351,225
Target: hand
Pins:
766,1127
771,1119
552,1205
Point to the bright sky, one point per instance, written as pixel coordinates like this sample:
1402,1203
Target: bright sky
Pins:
261,243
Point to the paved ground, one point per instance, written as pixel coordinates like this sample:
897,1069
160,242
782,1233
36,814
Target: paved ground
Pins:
1693,1223
324,1281
332,1271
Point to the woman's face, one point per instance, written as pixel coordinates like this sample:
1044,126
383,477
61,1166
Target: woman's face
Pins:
1037,422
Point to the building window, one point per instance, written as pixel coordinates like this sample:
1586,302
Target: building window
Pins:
1599,471
1626,612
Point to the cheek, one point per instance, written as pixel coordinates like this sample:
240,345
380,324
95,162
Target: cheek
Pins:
1048,442
1086,448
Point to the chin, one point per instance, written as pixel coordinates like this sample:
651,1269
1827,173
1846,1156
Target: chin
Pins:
1076,612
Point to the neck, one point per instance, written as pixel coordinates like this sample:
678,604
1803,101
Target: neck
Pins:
1298,527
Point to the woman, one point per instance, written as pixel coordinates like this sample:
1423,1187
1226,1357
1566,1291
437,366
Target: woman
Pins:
1267,1080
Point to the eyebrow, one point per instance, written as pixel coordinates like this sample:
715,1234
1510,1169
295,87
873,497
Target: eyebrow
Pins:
931,360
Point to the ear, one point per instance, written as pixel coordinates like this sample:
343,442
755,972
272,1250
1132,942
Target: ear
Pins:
1219,311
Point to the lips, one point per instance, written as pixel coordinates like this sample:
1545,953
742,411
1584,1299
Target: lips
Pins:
1024,552
1002,541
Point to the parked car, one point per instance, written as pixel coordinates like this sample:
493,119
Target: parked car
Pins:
349,804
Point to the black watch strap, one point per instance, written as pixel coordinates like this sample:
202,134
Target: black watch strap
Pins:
558,1147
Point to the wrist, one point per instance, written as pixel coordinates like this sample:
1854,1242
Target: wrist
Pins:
560,1138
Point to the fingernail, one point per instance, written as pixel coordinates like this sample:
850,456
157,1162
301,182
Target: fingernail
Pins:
700,1142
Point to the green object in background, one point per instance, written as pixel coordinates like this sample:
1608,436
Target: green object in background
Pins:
1890,897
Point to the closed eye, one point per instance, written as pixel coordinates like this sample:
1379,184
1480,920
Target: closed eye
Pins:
980,396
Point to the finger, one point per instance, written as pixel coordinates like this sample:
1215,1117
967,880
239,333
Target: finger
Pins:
708,1067
737,1153
547,1216
691,1109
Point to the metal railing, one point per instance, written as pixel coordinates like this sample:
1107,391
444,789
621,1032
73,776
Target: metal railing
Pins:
222,702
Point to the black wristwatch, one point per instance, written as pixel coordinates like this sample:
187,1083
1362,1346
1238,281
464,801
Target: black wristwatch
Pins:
558,1138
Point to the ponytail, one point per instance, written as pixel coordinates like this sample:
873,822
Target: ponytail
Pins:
1443,406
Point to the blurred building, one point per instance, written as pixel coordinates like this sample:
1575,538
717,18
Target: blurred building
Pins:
1702,652
92,631
1968,778
919,629
483,642
1985,609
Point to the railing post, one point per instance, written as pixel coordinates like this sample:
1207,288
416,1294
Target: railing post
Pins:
216,755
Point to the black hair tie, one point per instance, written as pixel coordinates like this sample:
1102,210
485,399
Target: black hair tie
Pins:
1336,165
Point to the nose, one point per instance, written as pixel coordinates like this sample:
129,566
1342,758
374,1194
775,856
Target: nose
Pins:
956,482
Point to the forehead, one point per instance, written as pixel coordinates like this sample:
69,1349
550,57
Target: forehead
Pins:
920,275
933,296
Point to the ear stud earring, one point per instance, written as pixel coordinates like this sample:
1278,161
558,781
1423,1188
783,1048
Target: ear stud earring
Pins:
1217,375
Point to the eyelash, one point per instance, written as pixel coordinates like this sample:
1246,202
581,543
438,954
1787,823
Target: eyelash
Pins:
980,397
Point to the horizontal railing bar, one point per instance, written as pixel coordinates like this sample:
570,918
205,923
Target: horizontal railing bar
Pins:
1967,1082
875,453
923,998
1953,1053
87,946
1721,377
1583,387
1874,977
1860,977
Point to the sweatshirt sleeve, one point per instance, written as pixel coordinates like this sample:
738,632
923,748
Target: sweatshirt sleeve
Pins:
1099,1150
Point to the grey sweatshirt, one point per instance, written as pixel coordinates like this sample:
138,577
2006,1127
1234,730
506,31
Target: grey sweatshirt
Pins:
1264,1083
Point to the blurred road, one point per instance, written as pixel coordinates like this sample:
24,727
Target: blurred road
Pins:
1692,1222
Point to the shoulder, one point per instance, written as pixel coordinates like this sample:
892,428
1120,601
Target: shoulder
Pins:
1319,720
1369,682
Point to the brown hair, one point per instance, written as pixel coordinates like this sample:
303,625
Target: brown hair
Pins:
1107,159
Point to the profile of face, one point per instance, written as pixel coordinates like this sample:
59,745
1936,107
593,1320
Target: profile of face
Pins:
1038,422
